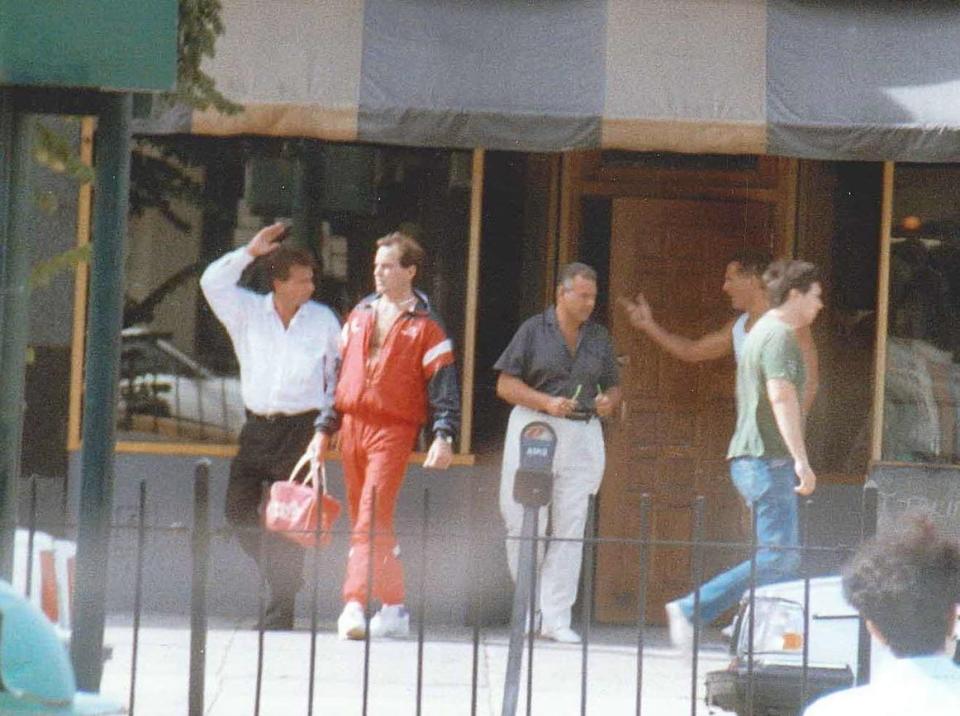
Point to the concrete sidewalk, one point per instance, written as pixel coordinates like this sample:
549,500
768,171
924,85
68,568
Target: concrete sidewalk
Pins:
231,669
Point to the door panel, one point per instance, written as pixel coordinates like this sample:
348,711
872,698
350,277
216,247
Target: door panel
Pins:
677,417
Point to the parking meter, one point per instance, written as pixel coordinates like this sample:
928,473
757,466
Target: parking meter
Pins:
533,484
532,488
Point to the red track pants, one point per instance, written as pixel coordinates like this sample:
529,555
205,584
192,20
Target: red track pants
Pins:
374,461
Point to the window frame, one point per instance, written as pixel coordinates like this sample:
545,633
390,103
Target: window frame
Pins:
463,455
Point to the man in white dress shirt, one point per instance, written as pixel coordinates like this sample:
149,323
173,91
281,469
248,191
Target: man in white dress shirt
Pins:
907,588
287,348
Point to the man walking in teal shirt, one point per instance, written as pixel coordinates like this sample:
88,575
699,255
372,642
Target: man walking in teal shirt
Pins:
767,453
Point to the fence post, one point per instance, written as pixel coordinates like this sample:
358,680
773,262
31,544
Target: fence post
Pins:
422,597
261,602
475,597
805,510
698,512
589,545
138,592
371,537
752,621
867,530
31,534
642,591
318,535
200,543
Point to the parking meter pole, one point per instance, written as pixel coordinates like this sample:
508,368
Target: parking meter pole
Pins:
532,488
521,600
102,361
16,159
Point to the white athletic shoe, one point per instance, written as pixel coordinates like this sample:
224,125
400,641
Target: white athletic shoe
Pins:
681,628
352,624
560,634
393,620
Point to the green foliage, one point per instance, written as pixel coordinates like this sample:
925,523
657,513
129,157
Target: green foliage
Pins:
157,179
55,152
44,271
157,164
198,29
157,175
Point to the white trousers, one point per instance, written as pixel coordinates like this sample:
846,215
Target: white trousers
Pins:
578,468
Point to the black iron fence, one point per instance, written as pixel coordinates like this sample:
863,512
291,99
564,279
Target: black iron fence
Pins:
745,679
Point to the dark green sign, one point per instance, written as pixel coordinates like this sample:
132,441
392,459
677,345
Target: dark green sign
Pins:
106,44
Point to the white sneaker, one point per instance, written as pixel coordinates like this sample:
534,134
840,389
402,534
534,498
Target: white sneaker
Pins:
681,629
352,623
393,620
561,635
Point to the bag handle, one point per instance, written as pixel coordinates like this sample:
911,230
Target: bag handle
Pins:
311,478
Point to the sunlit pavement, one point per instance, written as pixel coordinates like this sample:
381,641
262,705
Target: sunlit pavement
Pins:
231,670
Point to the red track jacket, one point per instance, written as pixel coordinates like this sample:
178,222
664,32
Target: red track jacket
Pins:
415,366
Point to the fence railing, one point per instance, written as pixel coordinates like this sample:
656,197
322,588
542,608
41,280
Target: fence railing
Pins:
201,534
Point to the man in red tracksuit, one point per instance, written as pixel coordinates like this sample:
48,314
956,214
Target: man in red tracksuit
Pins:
396,361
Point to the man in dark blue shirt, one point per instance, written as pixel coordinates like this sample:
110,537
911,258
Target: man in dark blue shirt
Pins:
559,368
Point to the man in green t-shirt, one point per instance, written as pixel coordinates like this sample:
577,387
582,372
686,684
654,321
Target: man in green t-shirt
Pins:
767,453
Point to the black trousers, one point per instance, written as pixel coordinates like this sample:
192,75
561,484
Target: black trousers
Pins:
269,449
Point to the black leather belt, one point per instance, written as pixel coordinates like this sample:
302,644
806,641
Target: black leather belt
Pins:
279,417
578,416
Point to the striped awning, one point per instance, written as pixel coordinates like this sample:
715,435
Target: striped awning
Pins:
806,78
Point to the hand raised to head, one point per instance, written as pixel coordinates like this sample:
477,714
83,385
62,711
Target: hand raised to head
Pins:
267,239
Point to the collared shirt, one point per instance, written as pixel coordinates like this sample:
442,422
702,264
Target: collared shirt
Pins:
924,685
539,356
282,370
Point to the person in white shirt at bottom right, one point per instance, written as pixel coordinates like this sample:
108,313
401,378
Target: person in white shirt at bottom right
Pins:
907,587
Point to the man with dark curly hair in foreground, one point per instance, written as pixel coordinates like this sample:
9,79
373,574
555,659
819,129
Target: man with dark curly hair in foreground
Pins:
907,587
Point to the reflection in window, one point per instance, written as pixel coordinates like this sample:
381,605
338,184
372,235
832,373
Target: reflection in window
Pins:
922,390
203,197
166,394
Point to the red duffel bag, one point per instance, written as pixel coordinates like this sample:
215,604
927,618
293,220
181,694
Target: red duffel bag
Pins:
292,510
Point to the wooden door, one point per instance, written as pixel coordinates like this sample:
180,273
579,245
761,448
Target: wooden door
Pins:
677,418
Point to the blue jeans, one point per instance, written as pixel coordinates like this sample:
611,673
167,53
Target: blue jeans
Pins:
767,486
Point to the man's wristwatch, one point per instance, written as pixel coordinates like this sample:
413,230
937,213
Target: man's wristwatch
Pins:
445,436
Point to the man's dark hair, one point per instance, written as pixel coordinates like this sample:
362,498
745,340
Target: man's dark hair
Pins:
786,274
411,253
572,270
908,585
282,259
752,261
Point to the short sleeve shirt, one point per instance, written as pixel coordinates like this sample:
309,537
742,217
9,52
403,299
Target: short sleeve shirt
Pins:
770,351
539,357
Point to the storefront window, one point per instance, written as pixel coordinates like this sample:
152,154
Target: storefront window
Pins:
922,390
179,379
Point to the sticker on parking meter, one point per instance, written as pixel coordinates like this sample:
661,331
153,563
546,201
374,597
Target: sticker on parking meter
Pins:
538,442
